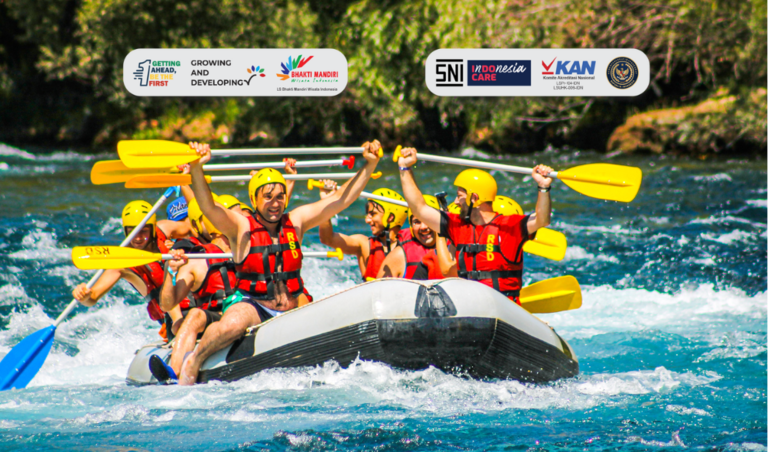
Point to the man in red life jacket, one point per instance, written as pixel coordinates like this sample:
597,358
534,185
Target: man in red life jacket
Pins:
417,242
146,279
385,220
266,249
209,281
489,246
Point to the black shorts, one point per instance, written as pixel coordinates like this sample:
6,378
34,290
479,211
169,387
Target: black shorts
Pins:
264,315
211,316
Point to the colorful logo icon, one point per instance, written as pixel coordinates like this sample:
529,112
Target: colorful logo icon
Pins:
258,70
622,72
548,67
293,64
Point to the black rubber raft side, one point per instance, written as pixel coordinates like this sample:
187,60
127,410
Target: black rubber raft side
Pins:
471,346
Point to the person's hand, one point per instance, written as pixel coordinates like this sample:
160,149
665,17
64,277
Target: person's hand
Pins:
540,173
169,243
184,169
408,157
178,260
81,292
371,151
328,188
201,149
290,166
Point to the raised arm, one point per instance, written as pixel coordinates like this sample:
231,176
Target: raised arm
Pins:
308,216
445,258
543,204
289,183
89,297
393,265
411,191
229,223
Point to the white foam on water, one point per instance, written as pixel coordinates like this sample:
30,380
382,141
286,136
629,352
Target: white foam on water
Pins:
113,226
720,177
687,411
758,203
4,166
605,309
11,151
726,220
578,253
730,237
42,246
745,447
616,229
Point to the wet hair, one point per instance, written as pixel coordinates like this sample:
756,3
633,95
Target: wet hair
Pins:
376,207
268,189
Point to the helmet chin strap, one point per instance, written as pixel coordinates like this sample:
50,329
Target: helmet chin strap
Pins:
469,212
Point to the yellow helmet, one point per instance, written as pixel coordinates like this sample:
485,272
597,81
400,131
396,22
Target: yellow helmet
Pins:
264,177
400,213
135,211
506,206
454,208
210,227
229,201
477,181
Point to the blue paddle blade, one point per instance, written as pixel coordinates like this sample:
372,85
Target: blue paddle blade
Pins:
23,362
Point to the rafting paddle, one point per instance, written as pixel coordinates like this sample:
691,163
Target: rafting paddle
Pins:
23,362
114,257
168,180
596,180
551,295
165,154
115,171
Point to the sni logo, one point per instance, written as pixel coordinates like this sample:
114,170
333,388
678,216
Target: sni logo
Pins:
562,68
450,72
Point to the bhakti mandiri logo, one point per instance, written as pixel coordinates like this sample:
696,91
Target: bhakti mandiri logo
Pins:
292,71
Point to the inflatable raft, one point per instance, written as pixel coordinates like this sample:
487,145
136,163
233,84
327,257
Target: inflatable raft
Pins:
456,325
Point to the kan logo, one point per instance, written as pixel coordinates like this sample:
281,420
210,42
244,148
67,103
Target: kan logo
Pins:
569,68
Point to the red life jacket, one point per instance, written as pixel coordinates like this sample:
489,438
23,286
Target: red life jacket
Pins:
161,238
493,253
219,282
152,275
414,253
376,255
257,274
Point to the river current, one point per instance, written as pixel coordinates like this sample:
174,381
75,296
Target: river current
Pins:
671,337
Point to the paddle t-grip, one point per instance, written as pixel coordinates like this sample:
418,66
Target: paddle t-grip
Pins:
311,183
337,254
349,163
396,155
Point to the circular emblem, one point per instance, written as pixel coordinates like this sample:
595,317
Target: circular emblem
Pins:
622,72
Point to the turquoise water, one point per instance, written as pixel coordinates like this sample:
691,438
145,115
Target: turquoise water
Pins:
671,336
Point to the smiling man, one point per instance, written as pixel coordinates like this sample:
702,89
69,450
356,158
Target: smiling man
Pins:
266,249
407,260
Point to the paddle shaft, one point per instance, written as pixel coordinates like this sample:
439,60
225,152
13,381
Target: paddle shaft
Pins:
288,151
478,164
367,195
229,255
72,305
288,177
306,164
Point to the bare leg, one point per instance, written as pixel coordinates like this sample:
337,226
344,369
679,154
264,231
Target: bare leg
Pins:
193,324
232,325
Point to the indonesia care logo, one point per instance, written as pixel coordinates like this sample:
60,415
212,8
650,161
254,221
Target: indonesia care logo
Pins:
499,73
293,71
622,72
156,73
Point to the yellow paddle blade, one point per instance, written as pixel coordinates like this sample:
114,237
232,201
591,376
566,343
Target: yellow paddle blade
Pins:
552,295
115,172
161,181
604,181
154,153
548,244
111,257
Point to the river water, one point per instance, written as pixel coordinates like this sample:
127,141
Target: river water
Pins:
671,336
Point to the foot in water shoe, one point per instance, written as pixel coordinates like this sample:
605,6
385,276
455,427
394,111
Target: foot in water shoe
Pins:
162,371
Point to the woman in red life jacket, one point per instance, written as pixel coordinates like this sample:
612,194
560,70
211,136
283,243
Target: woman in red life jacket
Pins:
407,259
146,279
266,249
207,282
489,246
385,220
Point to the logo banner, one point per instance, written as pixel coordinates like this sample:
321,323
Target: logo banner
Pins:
537,72
235,72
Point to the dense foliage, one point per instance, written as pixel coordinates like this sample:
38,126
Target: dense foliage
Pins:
61,70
